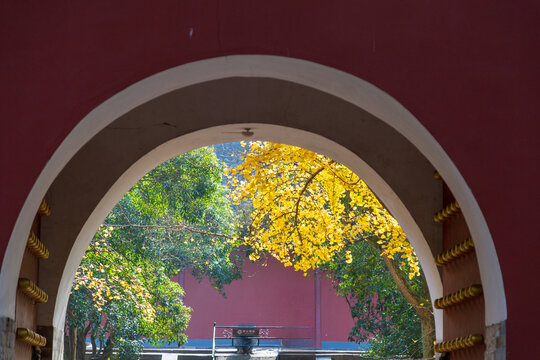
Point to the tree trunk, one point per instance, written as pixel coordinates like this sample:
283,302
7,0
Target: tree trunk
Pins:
107,351
73,334
428,332
81,344
68,344
94,346
427,322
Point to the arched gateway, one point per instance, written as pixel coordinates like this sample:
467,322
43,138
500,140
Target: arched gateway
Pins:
281,99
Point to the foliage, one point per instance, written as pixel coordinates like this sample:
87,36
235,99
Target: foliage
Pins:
117,300
307,208
179,212
311,212
383,317
176,217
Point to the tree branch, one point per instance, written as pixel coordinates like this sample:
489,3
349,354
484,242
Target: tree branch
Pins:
309,180
179,227
297,207
403,287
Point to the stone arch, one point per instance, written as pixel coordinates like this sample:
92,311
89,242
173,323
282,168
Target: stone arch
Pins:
291,73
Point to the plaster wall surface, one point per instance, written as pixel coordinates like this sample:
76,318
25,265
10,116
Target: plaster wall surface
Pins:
267,295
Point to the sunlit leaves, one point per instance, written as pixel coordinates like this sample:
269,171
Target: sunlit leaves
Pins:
108,276
116,287
307,208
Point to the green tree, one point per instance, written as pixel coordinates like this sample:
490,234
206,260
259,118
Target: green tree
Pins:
117,300
179,212
177,217
383,317
311,212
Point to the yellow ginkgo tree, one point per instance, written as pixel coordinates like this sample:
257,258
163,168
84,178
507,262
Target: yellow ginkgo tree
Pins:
309,210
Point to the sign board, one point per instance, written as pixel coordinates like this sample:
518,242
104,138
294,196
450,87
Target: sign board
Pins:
245,331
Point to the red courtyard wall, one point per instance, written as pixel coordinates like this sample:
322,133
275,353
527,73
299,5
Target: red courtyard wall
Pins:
267,295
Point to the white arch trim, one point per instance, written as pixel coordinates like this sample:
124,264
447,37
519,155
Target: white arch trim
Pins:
323,78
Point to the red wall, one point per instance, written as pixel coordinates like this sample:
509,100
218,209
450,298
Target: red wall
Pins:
467,317
467,70
267,295
336,320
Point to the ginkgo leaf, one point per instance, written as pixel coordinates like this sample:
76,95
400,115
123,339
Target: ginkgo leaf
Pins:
316,208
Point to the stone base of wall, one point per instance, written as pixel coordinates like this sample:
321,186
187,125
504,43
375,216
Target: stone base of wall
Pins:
7,338
496,341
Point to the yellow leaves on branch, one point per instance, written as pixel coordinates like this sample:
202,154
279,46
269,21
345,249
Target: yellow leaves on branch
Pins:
108,277
348,257
308,208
